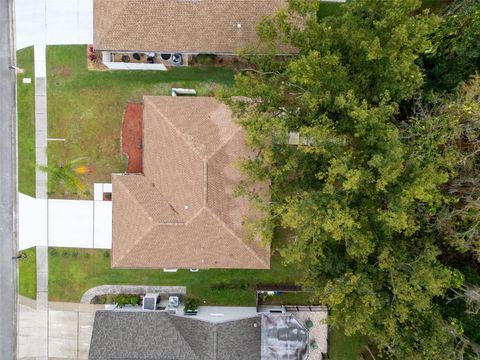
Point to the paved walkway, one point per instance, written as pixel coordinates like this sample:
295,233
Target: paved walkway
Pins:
41,23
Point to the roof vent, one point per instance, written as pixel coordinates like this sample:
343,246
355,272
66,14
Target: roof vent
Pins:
239,26
186,207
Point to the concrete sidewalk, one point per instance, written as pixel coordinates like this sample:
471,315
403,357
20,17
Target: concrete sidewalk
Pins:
45,333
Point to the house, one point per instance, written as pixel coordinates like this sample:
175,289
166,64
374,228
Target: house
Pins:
161,336
169,31
181,211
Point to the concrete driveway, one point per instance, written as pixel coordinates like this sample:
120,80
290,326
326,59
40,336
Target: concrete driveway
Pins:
64,223
53,22
69,330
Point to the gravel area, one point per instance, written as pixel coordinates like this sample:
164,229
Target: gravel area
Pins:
319,331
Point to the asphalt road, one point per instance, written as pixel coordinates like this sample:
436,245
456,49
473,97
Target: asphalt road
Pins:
8,187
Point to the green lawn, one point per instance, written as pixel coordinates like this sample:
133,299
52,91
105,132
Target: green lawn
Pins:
86,107
342,347
28,274
26,123
74,271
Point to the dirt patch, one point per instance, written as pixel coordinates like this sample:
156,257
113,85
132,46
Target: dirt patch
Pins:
64,72
132,137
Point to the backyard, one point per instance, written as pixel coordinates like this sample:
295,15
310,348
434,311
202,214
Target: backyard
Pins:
86,107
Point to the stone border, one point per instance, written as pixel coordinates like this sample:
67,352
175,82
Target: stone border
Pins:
130,289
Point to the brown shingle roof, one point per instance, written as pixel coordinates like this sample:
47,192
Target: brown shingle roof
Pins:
181,212
189,26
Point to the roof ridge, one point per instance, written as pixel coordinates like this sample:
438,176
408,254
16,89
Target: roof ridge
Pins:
216,217
180,333
225,143
169,317
152,223
177,131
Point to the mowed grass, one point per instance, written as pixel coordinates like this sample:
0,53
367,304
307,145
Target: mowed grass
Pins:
342,347
28,274
86,107
26,122
74,271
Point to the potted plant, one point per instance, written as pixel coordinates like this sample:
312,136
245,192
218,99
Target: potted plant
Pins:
191,306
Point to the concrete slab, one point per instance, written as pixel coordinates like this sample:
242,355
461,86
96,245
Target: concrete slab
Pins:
69,22
62,336
40,62
40,85
32,333
85,328
41,120
40,104
42,268
53,22
32,220
70,223
102,238
219,314
29,22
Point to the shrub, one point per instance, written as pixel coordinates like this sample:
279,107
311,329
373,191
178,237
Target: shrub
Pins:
106,254
191,304
230,286
206,59
52,251
127,299
92,57
65,253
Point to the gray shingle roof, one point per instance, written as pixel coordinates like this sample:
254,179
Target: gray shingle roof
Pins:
123,335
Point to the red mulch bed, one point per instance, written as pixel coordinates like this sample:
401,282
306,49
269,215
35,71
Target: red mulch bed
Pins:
132,137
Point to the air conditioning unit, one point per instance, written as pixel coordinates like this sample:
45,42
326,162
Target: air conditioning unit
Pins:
150,301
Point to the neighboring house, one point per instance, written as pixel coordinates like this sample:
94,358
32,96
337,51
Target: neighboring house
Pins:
181,27
160,336
181,212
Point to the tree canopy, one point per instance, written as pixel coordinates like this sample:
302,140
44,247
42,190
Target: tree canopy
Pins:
362,192
455,54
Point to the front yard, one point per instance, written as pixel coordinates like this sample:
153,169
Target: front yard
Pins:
26,122
28,274
86,107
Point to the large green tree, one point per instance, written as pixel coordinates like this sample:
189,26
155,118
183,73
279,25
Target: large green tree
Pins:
455,54
459,223
360,190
